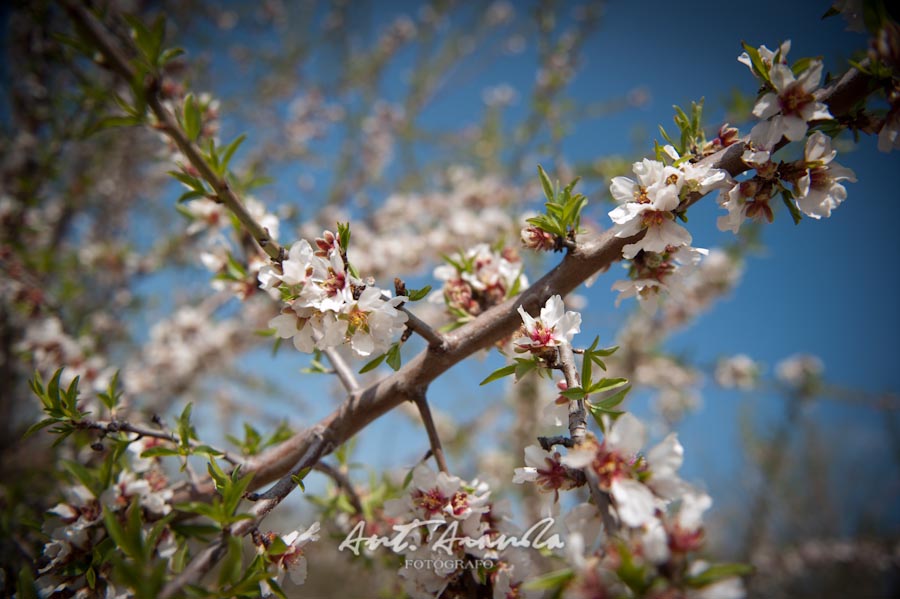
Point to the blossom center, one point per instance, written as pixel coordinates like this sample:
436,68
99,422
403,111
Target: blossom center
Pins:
431,501
793,99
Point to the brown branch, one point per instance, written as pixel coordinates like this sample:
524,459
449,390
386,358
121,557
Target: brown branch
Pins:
265,503
116,426
342,369
577,413
436,449
363,406
424,330
195,570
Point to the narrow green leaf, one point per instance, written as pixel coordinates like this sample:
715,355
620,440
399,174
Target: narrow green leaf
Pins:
611,401
191,117
415,295
372,365
159,451
717,572
546,184
393,357
787,198
574,393
230,149
553,580
607,385
499,374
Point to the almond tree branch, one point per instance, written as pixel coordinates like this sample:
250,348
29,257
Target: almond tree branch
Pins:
424,330
577,413
436,449
116,426
119,62
342,369
363,406
265,503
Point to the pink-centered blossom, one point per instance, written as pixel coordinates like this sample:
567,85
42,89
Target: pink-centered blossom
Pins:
648,205
788,110
818,191
638,485
554,326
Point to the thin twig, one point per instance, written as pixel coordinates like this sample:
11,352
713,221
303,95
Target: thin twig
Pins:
266,502
424,330
120,63
437,451
195,570
116,426
343,482
601,499
547,443
342,369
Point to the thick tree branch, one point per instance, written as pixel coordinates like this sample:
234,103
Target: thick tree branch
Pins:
363,406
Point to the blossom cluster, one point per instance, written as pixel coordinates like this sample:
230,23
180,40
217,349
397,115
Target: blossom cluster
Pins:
787,109
408,231
479,278
650,204
76,529
455,508
325,304
660,515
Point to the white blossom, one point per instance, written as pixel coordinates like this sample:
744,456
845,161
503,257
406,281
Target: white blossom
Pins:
554,327
818,192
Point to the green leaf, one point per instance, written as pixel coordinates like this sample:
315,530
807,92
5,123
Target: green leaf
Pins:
372,365
168,55
207,450
717,572
111,396
574,393
553,580
185,430
344,235
787,198
499,374
53,391
393,357
610,402
229,151
524,366
298,478
586,373
159,451
759,67
189,181
546,184
191,117
607,385
665,135
801,65
38,426
415,295
219,477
